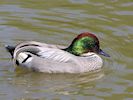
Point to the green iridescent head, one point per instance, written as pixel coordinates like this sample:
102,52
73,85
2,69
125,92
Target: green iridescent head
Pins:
84,43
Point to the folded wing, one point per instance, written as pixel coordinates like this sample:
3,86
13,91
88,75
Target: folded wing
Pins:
46,51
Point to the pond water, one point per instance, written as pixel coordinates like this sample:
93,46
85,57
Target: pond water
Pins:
58,22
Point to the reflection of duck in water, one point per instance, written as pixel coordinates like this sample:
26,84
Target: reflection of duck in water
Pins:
81,56
59,83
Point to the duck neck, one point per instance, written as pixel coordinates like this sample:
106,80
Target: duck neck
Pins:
78,47
74,50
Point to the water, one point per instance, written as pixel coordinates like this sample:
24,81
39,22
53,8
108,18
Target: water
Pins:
58,22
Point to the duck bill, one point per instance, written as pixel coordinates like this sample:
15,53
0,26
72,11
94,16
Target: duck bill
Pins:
101,52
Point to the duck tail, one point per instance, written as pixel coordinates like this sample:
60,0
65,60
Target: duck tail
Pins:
10,49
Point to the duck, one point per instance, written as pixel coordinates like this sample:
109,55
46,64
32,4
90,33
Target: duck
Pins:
82,55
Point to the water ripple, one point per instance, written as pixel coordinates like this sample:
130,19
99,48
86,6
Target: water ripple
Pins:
59,22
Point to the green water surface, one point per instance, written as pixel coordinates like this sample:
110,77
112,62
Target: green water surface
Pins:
58,22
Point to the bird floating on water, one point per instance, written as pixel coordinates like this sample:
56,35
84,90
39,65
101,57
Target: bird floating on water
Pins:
82,55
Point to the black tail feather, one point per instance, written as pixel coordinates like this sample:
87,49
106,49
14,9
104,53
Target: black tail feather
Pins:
10,49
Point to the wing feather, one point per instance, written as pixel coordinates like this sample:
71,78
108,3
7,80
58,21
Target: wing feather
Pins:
55,54
48,51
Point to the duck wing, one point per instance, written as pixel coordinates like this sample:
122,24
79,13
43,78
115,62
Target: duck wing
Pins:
39,44
46,51
55,54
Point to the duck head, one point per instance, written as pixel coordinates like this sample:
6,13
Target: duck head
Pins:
84,43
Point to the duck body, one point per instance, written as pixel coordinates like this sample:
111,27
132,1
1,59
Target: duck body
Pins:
51,58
